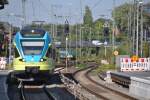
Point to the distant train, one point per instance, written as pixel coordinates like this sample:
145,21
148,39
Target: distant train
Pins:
32,48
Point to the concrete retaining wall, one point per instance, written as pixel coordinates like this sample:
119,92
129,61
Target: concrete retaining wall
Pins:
140,87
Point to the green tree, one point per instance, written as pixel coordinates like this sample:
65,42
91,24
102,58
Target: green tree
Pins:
121,15
146,49
98,28
88,19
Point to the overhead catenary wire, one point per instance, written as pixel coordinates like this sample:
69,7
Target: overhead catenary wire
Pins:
24,11
46,9
33,7
96,4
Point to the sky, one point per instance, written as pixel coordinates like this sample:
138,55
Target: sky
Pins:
57,11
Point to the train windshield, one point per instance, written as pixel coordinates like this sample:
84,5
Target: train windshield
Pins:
32,47
32,32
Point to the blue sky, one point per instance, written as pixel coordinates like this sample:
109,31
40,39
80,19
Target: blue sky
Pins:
44,10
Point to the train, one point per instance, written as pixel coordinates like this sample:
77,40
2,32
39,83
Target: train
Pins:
32,53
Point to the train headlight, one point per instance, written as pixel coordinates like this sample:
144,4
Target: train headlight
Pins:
23,59
41,59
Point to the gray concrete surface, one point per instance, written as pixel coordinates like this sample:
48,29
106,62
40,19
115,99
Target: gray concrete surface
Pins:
140,83
140,87
134,74
3,85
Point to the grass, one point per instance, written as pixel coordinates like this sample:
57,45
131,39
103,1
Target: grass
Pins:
104,68
81,66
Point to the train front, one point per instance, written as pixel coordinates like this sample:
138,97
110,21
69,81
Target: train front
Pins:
32,52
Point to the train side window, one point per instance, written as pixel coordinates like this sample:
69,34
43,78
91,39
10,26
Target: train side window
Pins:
16,53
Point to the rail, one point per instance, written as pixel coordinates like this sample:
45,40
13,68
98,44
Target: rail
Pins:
48,94
105,88
22,92
112,90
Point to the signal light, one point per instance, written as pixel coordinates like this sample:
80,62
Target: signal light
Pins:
66,27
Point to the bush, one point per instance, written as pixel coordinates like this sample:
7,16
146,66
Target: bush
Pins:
104,68
81,65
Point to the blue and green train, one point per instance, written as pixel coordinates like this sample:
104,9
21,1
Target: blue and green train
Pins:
32,52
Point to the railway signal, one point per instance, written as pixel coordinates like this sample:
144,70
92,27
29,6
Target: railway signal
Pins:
66,33
66,30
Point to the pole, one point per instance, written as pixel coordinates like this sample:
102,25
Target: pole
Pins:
134,27
10,29
137,30
105,51
80,26
90,39
76,42
24,12
114,28
80,40
67,33
141,29
66,53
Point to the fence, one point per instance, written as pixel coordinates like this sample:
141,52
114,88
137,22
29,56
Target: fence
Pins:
2,63
142,64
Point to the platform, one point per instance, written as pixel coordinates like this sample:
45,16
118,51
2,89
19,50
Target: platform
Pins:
133,74
139,82
140,87
3,85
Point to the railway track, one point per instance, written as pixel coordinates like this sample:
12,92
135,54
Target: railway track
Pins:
99,90
53,89
34,93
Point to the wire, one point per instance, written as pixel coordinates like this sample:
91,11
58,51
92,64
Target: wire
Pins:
96,4
46,9
43,6
33,10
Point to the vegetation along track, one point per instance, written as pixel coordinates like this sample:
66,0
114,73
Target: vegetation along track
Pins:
98,89
32,93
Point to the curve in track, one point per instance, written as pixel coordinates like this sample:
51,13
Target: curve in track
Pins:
98,89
